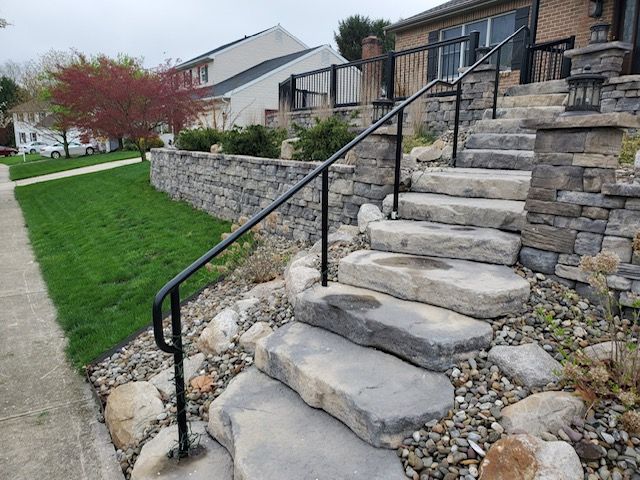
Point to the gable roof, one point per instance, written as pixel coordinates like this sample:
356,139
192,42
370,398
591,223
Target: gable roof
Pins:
253,73
446,9
211,53
31,106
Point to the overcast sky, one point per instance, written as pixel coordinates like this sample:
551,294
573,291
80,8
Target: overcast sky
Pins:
161,29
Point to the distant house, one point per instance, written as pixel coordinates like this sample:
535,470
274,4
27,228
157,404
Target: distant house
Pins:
240,79
30,124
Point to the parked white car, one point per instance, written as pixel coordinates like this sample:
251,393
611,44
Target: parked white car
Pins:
75,149
32,147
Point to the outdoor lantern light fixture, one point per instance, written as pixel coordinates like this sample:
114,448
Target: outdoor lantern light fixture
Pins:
584,92
381,107
599,33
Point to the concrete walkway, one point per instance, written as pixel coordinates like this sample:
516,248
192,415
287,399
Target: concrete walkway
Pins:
78,171
48,418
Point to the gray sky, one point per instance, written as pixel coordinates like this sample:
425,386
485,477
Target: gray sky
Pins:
160,29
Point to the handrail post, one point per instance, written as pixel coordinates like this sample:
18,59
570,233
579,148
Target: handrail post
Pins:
324,262
566,61
525,62
474,43
396,181
496,83
178,360
292,88
456,126
332,86
391,75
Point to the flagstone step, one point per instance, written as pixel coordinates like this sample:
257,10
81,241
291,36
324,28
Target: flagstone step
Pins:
496,159
540,88
477,212
476,289
431,337
383,405
474,182
533,100
502,126
272,434
501,141
441,240
524,112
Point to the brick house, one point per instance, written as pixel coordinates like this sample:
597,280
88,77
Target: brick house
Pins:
548,20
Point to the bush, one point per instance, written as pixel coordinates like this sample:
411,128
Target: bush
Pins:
254,140
322,140
154,142
198,139
630,145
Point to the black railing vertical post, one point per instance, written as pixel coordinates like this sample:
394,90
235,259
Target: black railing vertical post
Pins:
391,75
324,262
332,86
178,360
474,43
292,100
525,62
396,181
456,126
496,83
566,61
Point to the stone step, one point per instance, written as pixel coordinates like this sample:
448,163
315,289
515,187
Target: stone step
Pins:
533,100
496,159
272,434
502,126
477,289
474,182
450,241
524,112
381,405
477,212
427,336
541,88
501,141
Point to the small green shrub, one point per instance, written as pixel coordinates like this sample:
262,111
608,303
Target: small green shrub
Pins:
409,143
154,142
254,140
630,145
198,139
322,140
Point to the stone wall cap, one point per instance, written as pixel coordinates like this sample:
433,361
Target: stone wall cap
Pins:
623,79
589,120
598,47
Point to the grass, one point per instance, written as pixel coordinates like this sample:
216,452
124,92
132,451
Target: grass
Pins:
44,166
17,159
106,242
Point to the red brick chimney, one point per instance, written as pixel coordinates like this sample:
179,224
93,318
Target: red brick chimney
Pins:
371,47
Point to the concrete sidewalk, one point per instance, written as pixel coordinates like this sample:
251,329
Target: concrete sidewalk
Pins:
48,418
78,171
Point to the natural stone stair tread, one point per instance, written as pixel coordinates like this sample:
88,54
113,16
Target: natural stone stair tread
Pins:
533,100
442,240
496,159
382,405
478,212
524,112
539,88
477,289
425,335
501,141
272,434
501,125
474,182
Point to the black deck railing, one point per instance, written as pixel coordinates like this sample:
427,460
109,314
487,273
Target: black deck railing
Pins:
546,61
172,288
393,76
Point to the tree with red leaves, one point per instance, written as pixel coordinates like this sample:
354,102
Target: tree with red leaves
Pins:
118,98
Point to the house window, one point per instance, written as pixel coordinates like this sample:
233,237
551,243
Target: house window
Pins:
32,117
23,137
204,73
492,31
33,137
188,77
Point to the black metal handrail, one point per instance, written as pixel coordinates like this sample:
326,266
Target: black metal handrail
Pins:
172,288
546,61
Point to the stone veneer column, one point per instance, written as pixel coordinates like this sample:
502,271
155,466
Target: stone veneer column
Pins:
371,72
570,211
601,58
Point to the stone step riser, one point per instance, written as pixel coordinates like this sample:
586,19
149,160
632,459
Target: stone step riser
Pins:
524,112
382,406
430,337
501,214
474,183
501,126
470,288
493,141
541,88
438,240
496,159
548,100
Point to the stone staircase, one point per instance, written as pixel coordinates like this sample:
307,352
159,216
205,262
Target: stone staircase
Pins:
361,368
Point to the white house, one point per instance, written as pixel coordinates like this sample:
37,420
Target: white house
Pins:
240,79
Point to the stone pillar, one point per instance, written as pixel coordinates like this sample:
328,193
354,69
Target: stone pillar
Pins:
372,73
374,161
477,96
569,202
601,58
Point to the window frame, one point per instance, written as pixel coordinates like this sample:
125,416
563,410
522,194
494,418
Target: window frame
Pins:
23,137
33,137
203,73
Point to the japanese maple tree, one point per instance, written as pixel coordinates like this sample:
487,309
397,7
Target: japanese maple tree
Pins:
118,98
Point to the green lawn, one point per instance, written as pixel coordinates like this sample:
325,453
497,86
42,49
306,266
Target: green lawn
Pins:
44,166
106,242
17,159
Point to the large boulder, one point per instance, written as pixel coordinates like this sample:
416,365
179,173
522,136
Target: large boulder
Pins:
131,408
525,457
288,148
542,412
217,336
368,213
210,461
528,364
164,381
264,290
429,153
257,331
345,235
301,274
